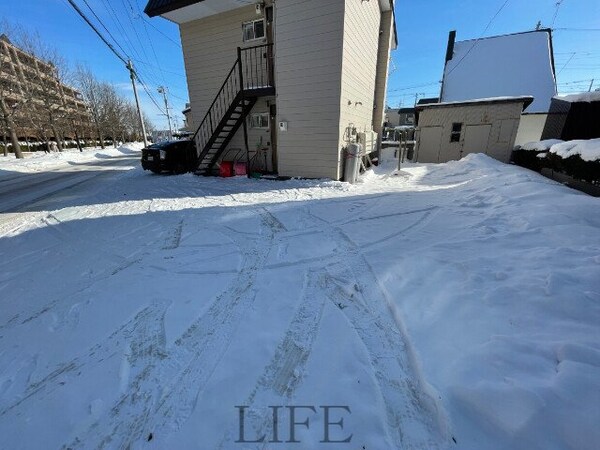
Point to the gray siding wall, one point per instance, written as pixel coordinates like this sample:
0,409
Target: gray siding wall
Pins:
497,147
308,59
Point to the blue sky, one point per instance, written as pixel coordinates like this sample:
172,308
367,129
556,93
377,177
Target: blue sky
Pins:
417,67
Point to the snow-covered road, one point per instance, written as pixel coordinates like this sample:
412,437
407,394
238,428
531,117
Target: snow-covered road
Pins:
40,189
446,306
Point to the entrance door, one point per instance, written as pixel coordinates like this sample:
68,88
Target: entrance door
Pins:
476,139
430,141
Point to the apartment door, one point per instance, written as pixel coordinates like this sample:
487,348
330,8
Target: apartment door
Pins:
476,139
430,141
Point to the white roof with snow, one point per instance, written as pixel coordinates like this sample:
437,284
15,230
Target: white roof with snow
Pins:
581,97
509,65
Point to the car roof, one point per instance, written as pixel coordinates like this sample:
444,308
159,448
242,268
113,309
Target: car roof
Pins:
168,144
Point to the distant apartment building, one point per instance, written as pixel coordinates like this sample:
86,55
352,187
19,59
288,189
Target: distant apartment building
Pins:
44,108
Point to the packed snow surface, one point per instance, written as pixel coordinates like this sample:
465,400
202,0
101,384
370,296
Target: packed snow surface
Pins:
441,306
509,65
588,150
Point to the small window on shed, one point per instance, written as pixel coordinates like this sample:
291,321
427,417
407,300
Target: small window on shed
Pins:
253,30
455,135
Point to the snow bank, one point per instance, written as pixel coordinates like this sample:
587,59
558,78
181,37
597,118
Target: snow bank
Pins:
588,150
540,146
40,161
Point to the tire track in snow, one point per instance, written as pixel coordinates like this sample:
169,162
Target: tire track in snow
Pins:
284,372
415,420
190,363
133,330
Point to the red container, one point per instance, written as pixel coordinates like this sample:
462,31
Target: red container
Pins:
240,168
226,169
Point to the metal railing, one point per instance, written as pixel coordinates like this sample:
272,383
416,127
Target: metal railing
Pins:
252,70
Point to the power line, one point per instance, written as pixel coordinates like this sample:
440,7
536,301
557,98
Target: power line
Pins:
480,37
414,87
104,26
576,29
558,4
84,17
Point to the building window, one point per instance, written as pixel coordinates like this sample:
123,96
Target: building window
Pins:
253,30
455,135
259,120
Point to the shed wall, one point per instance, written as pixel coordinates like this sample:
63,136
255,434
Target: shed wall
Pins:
531,128
503,118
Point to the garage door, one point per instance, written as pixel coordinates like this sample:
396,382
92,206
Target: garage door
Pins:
429,144
476,139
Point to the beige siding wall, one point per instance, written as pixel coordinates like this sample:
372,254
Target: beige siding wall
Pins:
503,117
308,59
209,51
359,70
383,61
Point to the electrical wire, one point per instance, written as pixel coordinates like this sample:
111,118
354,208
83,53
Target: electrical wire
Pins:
479,38
84,17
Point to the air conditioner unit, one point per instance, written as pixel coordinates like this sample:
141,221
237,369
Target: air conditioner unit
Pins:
368,139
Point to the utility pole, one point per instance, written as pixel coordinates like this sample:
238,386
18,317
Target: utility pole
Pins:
137,101
591,84
163,90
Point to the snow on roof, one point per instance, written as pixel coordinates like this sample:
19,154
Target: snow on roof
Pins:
581,97
515,64
526,99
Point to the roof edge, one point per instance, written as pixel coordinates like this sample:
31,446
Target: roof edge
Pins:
526,99
152,11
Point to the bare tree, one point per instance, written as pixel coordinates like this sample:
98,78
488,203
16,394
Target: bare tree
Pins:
91,89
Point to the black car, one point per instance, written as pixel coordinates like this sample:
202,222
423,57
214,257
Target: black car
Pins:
170,156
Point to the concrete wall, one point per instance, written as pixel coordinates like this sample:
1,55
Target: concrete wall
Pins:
531,128
503,118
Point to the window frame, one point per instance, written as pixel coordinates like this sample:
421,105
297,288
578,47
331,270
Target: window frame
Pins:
261,125
454,134
253,23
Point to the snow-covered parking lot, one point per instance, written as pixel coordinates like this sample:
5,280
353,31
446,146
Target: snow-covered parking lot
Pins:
445,306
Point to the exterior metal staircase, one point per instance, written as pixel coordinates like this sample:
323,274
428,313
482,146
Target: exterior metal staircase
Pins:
250,77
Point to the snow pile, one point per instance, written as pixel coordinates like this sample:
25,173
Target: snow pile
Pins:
582,97
446,306
587,150
540,146
40,161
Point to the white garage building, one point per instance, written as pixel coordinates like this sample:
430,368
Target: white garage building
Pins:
450,130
